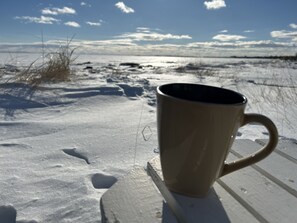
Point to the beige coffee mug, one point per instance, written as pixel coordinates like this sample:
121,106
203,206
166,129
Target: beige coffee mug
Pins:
197,125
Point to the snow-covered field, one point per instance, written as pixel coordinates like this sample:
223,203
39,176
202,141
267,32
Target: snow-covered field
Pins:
62,147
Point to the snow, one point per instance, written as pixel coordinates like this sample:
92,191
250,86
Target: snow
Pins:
64,145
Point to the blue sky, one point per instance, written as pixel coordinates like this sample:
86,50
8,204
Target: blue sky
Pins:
185,27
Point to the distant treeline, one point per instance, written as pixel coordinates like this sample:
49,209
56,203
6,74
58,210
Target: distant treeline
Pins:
290,58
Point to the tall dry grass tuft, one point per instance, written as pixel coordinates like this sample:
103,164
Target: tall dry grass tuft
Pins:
55,68
275,92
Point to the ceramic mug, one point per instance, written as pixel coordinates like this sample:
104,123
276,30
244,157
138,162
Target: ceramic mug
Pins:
197,125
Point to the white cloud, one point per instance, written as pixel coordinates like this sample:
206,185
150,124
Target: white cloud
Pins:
249,31
41,19
283,34
58,11
146,34
293,26
72,24
143,29
111,42
124,8
241,44
224,31
243,48
128,46
215,4
85,4
225,38
93,23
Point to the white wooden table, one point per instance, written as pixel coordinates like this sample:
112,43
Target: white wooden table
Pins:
265,192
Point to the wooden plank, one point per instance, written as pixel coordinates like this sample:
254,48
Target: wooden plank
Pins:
219,206
262,197
271,202
134,198
286,148
247,195
234,209
168,196
275,167
240,200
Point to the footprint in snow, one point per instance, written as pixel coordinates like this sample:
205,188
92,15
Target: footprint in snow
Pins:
77,154
239,134
132,91
102,181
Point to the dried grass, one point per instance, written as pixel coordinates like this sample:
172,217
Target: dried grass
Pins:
56,68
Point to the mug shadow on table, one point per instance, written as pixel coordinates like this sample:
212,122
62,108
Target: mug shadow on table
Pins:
209,209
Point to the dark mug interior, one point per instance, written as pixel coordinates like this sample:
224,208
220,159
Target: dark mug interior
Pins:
202,93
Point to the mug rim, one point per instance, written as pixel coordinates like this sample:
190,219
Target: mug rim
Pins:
244,101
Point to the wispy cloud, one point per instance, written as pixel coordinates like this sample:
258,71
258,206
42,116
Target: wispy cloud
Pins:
58,11
143,29
85,4
94,23
249,31
284,34
225,37
146,34
124,8
119,46
109,42
223,31
41,19
72,24
131,43
215,4
293,26
241,44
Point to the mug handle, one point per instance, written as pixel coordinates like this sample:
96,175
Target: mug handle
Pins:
260,154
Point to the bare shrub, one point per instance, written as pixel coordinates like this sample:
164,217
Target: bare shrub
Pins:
55,68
